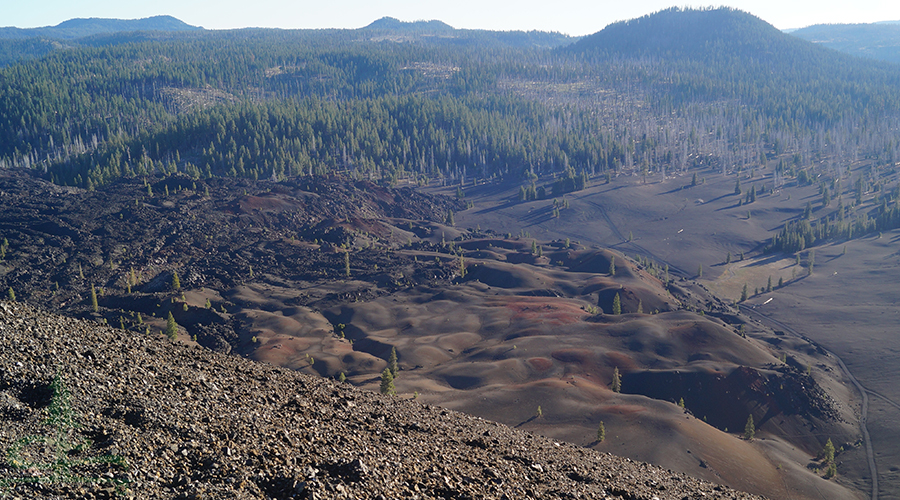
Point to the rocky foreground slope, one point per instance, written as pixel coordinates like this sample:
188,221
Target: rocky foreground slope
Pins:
143,417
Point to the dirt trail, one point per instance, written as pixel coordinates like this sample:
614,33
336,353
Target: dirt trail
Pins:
864,411
870,454
612,226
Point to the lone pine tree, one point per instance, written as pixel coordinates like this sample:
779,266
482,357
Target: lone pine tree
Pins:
171,327
387,383
392,363
749,428
94,306
828,452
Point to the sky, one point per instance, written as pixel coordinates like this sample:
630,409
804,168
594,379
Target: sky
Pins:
572,17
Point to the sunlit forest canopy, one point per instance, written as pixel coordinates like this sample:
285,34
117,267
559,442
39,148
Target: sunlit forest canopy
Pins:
670,92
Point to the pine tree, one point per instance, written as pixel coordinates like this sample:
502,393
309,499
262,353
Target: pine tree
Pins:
387,383
617,305
769,285
94,306
539,413
392,362
601,432
176,283
612,266
12,295
342,378
749,428
616,384
831,470
828,452
171,327
744,293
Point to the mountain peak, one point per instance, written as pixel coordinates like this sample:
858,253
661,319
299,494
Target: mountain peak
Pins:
394,24
682,30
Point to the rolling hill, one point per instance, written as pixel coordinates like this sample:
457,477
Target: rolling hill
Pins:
80,28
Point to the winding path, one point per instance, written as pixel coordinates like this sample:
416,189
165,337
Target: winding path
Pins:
672,268
863,392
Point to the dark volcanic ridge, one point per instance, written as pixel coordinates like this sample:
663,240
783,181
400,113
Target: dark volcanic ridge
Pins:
128,240
158,419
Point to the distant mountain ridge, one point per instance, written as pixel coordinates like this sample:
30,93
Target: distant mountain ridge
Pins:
875,41
435,31
694,33
83,27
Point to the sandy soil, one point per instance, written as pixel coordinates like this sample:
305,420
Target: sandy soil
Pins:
848,305
509,338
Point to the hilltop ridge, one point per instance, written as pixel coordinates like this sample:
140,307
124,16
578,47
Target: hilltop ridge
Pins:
391,23
703,34
83,27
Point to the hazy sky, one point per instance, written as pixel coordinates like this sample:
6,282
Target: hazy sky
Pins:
574,17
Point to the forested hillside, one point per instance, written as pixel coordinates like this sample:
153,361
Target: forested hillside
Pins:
672,91
875,41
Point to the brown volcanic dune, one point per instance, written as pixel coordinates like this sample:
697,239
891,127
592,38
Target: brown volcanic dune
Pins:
507,339
143,417
852,313
480,322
